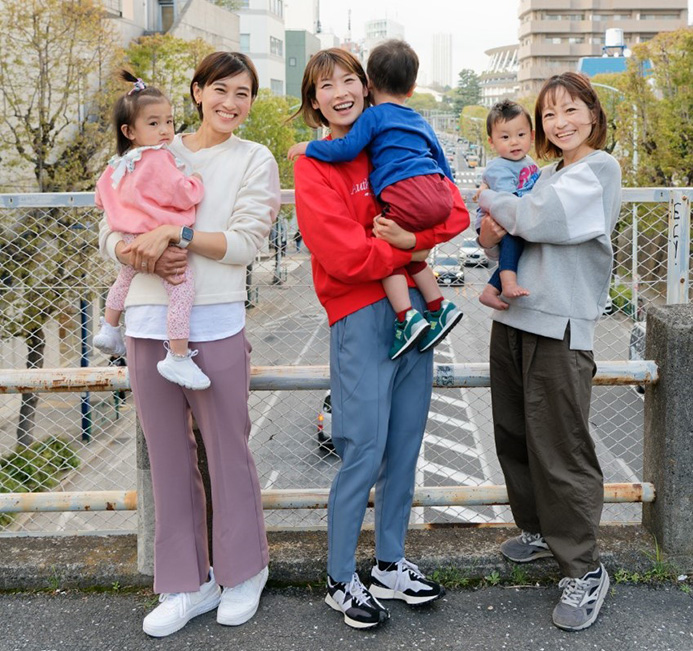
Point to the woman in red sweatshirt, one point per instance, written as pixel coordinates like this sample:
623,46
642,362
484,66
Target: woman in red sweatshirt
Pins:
379,406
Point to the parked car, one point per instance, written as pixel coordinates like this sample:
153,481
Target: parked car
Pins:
448,271
636,346
325,424
608,306
474,255
473,160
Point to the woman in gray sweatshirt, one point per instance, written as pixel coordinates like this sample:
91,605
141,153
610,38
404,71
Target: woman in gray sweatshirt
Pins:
541,346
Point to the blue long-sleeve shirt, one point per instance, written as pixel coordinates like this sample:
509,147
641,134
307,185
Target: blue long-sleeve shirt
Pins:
400,142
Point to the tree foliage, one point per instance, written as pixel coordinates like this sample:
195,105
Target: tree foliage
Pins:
55,62
268,124
168,63
655,120
468,91
55,58
422,102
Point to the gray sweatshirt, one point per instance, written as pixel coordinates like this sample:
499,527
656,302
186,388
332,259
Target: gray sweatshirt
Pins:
566,222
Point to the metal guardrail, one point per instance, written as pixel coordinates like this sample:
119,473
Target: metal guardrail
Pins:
271,378
299,499
316,377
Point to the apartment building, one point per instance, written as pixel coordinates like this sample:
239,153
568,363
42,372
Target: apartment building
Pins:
186,19
555,34
499,80
262,38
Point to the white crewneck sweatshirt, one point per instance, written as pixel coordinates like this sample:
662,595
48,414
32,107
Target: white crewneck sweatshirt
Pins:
242,199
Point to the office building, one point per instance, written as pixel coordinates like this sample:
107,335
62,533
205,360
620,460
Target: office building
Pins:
300,46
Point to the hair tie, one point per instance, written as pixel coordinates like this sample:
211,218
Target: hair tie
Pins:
137,86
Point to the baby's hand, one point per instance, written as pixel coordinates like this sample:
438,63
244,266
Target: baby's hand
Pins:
299,149
481,188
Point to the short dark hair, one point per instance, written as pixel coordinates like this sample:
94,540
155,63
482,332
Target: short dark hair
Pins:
504,111
578,86
320,66
220,65
128,106
393,67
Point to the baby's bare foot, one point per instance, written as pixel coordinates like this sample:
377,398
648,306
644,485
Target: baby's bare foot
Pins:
490,297
513,290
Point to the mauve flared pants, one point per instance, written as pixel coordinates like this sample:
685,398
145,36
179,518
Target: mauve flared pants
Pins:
239,543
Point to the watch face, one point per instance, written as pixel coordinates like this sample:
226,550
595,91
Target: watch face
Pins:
186,234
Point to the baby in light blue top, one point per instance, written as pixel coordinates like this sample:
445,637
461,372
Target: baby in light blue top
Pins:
509,127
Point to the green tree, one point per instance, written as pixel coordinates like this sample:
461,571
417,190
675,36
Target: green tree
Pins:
168,62
655,117
268,124
55,60
422,102
468,91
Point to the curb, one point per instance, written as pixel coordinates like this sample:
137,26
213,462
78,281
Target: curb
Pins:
299,558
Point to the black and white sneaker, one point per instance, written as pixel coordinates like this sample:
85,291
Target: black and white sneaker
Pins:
361,609
403,580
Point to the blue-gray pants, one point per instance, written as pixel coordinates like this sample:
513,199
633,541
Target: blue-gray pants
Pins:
379,412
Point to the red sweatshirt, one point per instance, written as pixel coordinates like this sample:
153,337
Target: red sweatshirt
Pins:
335,207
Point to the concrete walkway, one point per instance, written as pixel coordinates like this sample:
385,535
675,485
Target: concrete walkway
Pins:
488,619
68,613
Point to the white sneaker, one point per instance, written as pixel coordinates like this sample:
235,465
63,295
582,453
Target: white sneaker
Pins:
183,371
109,340
240,603
177,609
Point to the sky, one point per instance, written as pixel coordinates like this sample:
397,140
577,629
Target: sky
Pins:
476,25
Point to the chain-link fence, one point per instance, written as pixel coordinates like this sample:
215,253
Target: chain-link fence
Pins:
52,288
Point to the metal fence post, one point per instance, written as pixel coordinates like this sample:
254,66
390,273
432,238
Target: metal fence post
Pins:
668,444
679,247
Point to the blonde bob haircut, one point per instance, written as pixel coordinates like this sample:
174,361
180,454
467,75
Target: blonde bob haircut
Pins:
320,66
577,86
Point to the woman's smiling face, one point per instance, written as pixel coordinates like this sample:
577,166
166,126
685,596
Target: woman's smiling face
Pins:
225,102
341,99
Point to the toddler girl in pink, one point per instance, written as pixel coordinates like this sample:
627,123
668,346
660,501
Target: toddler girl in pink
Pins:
144,186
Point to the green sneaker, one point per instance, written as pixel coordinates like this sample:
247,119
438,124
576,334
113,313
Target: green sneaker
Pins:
441,322
408,333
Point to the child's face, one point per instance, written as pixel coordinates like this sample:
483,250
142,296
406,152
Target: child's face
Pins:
153,126
512,139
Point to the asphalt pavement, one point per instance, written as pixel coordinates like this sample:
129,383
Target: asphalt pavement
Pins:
487,619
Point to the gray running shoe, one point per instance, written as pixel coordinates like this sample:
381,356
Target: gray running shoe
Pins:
525,548
581,600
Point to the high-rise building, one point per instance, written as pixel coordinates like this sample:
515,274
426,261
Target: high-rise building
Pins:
262,39
555,34
441,60
499,80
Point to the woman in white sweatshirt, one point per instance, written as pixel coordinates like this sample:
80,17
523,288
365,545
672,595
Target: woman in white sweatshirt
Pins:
242,198
541,346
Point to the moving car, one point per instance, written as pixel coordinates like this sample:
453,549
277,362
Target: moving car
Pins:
474,255
448,271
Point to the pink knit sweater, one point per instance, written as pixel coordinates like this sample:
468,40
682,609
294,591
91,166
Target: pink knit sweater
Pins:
151,191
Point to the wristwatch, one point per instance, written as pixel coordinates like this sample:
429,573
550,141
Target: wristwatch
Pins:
186,235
